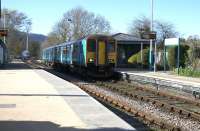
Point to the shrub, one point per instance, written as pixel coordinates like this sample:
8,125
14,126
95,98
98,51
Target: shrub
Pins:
136,58
183,55
171,57
173,53
133,59
189,71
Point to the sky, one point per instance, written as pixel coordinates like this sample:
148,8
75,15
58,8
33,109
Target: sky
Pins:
184,14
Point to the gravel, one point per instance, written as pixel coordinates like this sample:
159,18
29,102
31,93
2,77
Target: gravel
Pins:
184,123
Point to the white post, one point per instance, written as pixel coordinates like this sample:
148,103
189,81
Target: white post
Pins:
151,41
27,40
142,54
178,55
4,26
155,56
164,57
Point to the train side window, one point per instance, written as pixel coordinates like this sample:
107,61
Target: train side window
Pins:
91,45
111,46
57,51
75,47
64,50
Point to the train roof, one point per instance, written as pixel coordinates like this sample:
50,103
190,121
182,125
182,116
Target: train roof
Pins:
92,36
99,36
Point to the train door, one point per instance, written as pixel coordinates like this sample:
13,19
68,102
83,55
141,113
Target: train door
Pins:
101,52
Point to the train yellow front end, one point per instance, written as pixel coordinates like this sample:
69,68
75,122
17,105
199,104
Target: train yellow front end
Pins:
101,55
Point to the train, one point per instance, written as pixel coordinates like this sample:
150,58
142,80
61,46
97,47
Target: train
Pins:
3,53
93,55
25,55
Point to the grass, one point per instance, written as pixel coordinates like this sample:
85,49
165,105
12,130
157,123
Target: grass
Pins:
187,72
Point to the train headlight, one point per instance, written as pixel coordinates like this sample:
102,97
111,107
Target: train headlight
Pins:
111,60
91,60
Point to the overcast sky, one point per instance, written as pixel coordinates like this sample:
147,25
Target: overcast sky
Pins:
184,14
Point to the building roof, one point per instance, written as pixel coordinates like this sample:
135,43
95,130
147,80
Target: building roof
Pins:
127,37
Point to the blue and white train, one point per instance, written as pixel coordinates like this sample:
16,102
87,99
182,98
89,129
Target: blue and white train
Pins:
93,55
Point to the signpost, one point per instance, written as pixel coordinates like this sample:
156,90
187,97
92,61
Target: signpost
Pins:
152,37
149,35
172,42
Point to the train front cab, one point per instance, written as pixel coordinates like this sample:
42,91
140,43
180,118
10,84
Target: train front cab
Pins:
101,56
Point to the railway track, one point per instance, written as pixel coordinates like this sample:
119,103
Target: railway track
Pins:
184,108
147,118
174,104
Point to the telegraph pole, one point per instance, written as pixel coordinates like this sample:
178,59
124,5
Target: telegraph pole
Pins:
27,40
4,25
0,8
151,41
151,29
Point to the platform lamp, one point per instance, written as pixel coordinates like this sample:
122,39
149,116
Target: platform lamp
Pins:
4,24
68,20
3,32
151,40
0,8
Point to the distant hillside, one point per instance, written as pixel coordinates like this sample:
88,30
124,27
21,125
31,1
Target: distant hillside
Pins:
37,37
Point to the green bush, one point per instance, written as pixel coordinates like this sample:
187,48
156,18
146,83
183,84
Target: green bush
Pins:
136,58
188,72
171,57
133,59
173,53
183,55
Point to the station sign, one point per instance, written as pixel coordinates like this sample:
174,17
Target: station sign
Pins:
172,41
3,32
149,35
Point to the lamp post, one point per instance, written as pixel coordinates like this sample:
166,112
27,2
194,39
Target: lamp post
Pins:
151,29
27,28
151,41
4,24
68,20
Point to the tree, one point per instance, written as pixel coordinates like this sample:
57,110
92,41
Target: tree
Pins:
142,24
53,38
164,30
34,49
75,24
82,23
194,51
16,22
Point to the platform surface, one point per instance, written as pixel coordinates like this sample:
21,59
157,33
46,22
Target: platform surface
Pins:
162,75
35,100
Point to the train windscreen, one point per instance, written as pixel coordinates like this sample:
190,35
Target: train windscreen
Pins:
111,46
91,45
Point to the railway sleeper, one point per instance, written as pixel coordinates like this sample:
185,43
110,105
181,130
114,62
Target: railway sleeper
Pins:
128,109
135,112
160,93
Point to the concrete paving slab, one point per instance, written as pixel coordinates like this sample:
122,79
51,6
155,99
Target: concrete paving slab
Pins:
36,100
162,75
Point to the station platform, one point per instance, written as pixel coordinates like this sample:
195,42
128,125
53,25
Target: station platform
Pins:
161,78
35,100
